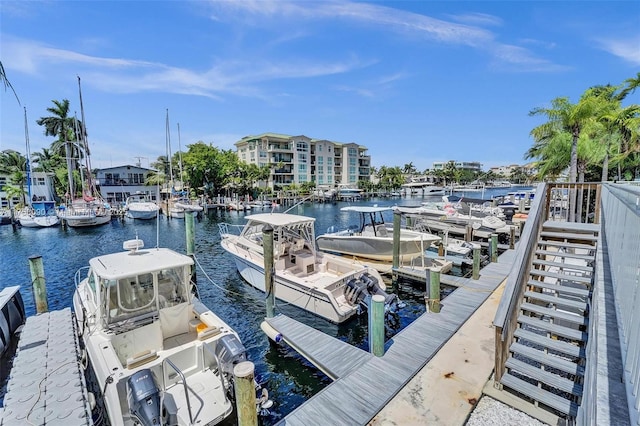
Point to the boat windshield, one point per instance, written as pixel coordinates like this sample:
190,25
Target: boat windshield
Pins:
143,295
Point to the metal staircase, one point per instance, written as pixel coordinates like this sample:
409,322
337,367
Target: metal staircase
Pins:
546,358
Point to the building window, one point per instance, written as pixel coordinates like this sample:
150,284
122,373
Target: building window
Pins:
320,161
302,168
302,158
352,152
301,146
319,147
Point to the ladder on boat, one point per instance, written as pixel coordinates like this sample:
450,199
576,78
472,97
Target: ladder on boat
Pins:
546,361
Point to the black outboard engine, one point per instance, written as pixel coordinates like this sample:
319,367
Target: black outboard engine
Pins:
359,291
229,351
143,397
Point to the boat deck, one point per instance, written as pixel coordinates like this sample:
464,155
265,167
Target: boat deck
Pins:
47,383
365,384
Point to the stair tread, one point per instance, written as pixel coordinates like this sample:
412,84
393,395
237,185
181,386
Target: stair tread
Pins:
554,329
565,244
557,300
561,276
587,257
574,291
571,226
565,316
547,359
553,344
550,399
567,236
546,377
562,265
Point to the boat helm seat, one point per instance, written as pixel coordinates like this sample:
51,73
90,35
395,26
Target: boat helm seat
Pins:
298,244
381,231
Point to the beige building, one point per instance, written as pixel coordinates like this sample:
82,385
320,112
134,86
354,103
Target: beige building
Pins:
300,159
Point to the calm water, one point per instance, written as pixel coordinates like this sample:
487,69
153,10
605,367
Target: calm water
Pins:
290,379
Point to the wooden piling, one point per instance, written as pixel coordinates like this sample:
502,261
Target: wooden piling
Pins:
269,271
38,284
245,393
440,249
191,241
468,233
512,237
396,245
433,290
476,263
494,247
376,325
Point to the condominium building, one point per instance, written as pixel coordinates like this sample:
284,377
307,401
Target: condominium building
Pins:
474,166
300,159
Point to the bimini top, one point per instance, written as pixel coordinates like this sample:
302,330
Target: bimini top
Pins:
127,263
279,219
366,209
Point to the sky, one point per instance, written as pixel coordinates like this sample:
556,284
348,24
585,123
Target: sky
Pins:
413,81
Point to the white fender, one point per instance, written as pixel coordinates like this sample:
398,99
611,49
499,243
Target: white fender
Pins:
271,332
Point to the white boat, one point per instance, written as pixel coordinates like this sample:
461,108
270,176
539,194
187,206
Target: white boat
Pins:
451,213
372,238
159,354
349,193
139,206
41,214
179,205
85,213
238,205
326,285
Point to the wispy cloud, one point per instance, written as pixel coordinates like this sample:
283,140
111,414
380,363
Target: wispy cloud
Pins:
477,19
465,31
626,48
132,76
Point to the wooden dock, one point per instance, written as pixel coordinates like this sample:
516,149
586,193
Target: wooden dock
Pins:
364,383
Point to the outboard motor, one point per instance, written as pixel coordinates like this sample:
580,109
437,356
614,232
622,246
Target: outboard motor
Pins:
143,397
359,291
229,351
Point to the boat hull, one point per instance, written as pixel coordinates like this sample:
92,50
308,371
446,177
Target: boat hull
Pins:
371,248
83,221
142,214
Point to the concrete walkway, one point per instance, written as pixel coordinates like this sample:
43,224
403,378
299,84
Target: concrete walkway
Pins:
448,387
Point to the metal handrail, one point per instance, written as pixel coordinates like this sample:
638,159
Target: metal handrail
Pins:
222,378
184,382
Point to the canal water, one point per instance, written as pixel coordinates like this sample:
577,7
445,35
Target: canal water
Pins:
290,378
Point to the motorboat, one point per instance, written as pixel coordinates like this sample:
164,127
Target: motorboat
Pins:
326,285
41,214
140,206
159,354
180,205
372,238
12,316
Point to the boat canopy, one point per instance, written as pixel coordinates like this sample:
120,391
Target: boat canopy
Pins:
124,264
279,219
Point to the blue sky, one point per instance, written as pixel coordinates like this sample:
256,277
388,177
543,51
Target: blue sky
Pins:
414,81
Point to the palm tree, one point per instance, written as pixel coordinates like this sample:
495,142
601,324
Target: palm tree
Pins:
69,132
6,82
14,164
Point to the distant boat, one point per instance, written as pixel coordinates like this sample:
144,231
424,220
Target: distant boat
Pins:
139,206
326,285
372,238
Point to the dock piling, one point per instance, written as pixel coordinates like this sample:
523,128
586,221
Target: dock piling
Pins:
376,325
476,263
493,247
468,233
190,234
433,290
396,244
267,245
245,393
512,238
38,284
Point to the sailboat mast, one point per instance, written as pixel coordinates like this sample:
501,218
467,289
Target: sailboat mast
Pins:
28,166
180,159
85,143
168,141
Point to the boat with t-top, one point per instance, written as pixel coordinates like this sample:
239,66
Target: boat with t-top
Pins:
159,355
330,286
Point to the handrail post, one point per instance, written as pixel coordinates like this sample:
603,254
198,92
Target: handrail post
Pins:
184,382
